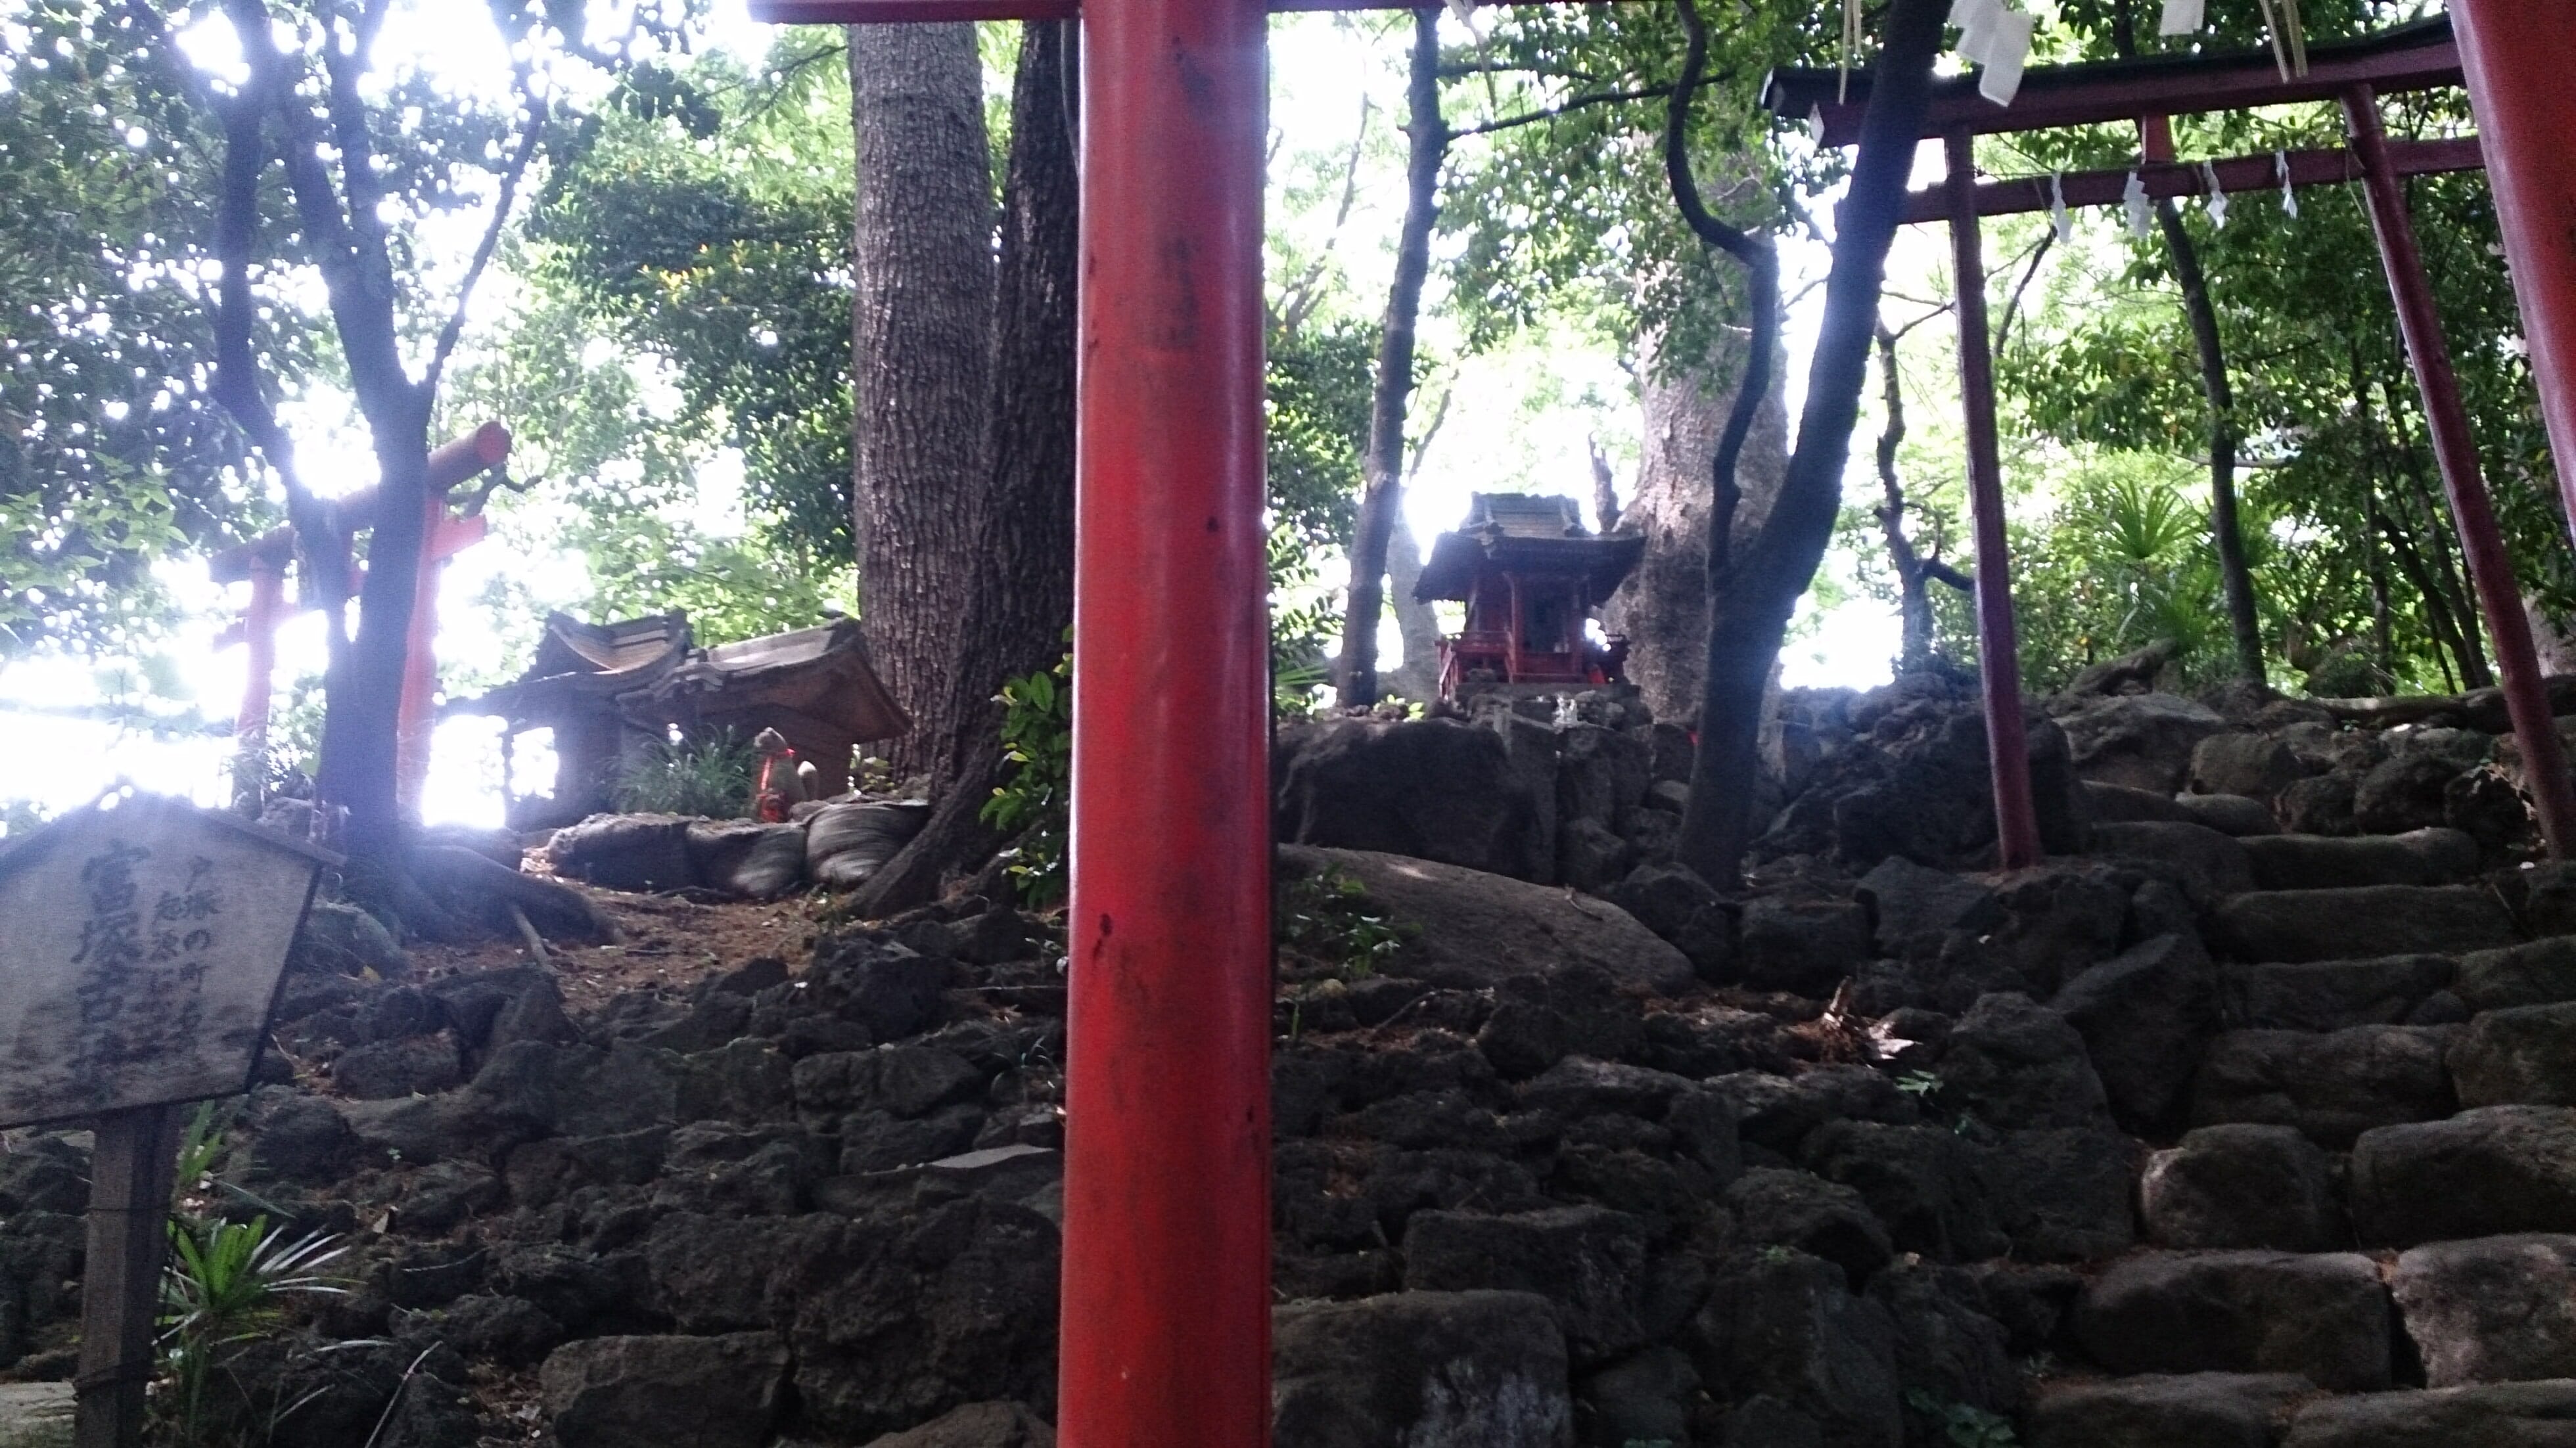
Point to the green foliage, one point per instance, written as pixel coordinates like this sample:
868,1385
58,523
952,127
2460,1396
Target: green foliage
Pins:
1961,1425
227,1284
1327,917
112,455
1034,802
710,775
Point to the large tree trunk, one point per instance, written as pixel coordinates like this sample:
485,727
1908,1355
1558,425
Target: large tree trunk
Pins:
1418,678
1662,607
1012,615
362,706
1382,498
923,246
1751,617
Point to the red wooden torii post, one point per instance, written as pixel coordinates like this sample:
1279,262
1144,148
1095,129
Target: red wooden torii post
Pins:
1166,1306
2532,161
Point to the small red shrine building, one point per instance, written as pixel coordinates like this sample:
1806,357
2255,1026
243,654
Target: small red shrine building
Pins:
1530,576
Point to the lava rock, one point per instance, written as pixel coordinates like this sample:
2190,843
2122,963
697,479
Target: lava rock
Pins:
1432,789
2505,1415
2229,814
2256,766
1806,1213
1913,906
2208,865
384,1070
1587,1261
2145,1017
2063,1193
2324,1316
2319,862
2487,1172
626,852
2331,995
2360,921
1680,907
2242,1186
1784,1326
2189,1410
1804,946
1647,1398
2524,1055
1425,1369
1474,929
1922,1182
2144,741
2542,972
665,1392
2333,1087
2496,1309
977,1425
2016,1063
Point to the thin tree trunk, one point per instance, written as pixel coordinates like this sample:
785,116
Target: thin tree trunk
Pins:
1418,679
1012,616
1750,616
1913,593
2236,580
1427,146
921,319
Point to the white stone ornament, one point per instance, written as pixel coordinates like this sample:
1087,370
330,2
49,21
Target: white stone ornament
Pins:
2007,51
2182,17
2058,217
2133,198
2217,198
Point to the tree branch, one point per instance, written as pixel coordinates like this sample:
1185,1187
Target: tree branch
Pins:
454,330
1571,104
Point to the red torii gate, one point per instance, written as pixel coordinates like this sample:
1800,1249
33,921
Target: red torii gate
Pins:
2352,74
1166,1305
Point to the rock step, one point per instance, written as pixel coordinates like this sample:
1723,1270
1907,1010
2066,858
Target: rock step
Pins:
2234,1410
2334,1085
2388,990
35,1415
2329,862
2360,922
2489,1310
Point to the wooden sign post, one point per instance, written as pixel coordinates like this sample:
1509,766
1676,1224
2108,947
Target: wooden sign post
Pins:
141,945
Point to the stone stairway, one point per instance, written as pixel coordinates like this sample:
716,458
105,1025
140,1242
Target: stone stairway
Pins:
2364,1234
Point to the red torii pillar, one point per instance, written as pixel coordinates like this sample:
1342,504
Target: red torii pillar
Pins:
1166,1297
441,538
2519,58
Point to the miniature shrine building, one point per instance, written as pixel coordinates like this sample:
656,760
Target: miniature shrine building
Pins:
1530,576
611,691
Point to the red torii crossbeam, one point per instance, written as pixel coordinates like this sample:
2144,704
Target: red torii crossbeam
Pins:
2352,74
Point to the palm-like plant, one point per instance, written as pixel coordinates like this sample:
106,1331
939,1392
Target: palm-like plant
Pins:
227,1283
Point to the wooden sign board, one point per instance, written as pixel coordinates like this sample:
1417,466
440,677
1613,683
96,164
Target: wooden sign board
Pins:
141,945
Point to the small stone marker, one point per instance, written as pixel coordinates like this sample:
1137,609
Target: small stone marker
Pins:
141,944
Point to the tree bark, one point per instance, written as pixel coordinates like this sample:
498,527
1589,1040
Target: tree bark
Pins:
1418,679
923,249
1913,591
2236,579
1382,495
1662,606
1750,617
1012,613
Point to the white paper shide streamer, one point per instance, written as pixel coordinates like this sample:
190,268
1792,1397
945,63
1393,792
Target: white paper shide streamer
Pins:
2133,199
2058,219
2217,198
1996,39
2182,17
2289,193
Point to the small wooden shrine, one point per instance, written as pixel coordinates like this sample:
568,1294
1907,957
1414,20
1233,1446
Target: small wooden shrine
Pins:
1530,576
611,691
